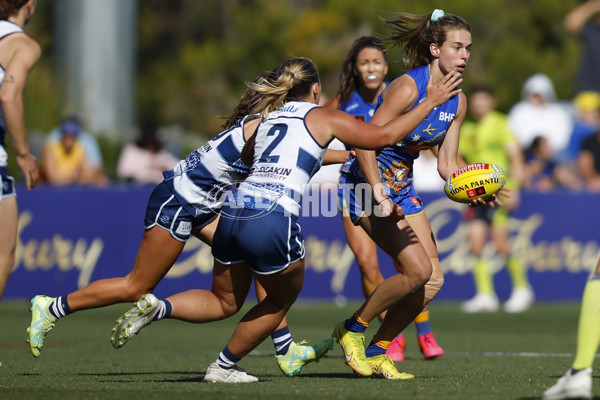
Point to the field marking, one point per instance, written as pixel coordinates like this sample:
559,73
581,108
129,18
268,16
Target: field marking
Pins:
263,353
510,354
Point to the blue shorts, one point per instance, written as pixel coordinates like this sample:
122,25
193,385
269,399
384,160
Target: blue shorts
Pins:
357,200
268,242
166,211
8,184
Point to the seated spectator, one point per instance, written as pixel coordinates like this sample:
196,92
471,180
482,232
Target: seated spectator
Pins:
87,140
587,122
538,111
144,161
65,162
588,162
542,173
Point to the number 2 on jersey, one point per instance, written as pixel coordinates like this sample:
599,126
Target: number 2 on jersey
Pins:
279,131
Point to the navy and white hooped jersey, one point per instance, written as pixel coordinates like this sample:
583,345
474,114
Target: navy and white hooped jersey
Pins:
395,162
6,28
201,180
358,107
286,156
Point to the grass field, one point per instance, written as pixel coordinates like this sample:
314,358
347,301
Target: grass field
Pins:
489,356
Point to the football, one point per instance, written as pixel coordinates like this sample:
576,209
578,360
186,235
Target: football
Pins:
475,181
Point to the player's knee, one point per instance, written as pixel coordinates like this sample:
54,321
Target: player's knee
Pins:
129,291
229,309
368,264
432,288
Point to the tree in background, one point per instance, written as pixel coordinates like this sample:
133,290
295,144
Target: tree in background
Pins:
192,55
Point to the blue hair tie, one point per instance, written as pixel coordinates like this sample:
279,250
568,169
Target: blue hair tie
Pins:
437,14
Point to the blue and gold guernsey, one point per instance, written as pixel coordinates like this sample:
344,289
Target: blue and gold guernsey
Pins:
6,28
395,162
358,107
201,180
286,156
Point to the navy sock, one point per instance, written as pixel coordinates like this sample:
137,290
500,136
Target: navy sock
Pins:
227,359
164,311
281,340
354,326
373,350
60,307
423,328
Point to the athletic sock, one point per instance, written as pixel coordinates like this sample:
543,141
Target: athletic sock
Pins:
281,340
422,323
517,272
377,347
588,331
227,359
60,307
164,310
484,283
355,324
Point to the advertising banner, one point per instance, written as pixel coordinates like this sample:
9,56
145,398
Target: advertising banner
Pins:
69,237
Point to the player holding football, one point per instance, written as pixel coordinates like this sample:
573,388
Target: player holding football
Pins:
362,80
188,202
438,45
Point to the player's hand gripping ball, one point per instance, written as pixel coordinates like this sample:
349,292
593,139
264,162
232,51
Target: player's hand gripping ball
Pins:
475,181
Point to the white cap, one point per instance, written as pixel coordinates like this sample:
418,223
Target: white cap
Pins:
539,84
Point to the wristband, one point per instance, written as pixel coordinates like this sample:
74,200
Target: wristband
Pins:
382,200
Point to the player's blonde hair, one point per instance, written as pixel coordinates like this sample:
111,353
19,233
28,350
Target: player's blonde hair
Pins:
292,80
414,41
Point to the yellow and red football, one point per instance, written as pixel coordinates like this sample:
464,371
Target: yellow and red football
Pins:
475,181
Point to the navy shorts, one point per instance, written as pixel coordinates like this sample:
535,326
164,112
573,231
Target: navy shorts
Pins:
8,184
166,211
268,241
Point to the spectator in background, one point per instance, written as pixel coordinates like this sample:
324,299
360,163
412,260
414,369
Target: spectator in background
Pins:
539,113
144,161
588,162
587,122
542,173
65,162
489,139
86,139
427,177
584,21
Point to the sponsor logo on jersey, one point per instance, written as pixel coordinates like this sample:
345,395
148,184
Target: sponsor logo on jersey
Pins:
289,108
266,170
446,116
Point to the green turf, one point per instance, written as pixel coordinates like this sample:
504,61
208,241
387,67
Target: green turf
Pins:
491,356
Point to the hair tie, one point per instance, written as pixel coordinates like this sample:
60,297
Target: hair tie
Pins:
437,14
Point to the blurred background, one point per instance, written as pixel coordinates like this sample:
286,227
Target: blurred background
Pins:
154,80
181,64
